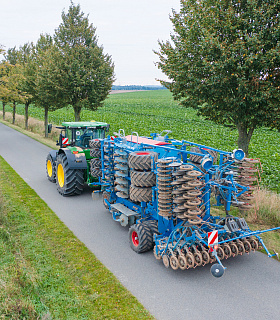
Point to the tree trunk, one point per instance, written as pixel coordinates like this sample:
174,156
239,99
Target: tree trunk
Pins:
26,115
14,112
46,121
77,111
244,137
4,110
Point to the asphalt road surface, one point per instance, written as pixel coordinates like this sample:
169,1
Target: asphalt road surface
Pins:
249,289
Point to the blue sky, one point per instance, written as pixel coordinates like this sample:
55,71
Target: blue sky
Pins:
128,30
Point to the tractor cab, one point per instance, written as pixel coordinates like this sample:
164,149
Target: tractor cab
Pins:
79,134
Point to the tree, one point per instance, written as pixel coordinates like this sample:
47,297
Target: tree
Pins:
224,60
87,73
12,79
4,72
46,78
26,60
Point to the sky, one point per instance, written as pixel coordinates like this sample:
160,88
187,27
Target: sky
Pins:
128,30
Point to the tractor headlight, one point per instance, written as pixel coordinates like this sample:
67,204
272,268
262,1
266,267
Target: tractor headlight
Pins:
238,154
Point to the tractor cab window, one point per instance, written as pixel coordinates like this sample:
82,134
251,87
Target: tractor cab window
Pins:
83,135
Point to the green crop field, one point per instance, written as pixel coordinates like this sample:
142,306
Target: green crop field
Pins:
154,111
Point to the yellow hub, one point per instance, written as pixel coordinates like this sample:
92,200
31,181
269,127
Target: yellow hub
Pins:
60,175
49,168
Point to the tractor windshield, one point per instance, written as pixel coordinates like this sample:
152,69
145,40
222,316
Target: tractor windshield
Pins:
81,136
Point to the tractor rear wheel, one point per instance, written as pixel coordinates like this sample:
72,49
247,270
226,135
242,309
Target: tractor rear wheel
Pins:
140,238
69,181
51,168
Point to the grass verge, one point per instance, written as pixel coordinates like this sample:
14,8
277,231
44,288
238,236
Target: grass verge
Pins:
45,271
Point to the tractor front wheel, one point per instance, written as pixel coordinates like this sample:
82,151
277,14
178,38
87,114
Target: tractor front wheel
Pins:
69,181
50,168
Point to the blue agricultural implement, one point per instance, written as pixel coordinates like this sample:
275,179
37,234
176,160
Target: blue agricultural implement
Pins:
163,190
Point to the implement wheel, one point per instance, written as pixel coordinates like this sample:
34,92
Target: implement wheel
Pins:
138,194
69,181
174,263
141,160
217,270
143,178
190,260
50,168
140,238
240,247
183,264
152,224
234,249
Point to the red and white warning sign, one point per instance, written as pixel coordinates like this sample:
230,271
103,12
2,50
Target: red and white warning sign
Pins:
212,238
64,140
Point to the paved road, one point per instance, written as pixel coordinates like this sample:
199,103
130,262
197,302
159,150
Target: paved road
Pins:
250,288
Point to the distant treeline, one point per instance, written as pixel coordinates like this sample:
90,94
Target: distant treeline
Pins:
133,87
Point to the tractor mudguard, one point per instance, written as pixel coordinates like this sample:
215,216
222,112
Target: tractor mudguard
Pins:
53,154
75,161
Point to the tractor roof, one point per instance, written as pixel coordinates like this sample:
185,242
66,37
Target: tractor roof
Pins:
82,124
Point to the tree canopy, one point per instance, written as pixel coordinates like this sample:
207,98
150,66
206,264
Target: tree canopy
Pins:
69,68
224,61
87,73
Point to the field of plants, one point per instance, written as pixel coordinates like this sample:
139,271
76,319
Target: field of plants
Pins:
154,111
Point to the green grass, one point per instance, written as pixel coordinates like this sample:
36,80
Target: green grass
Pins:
154,111
45,271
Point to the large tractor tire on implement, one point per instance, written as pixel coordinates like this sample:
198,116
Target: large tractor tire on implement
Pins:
69,181
143,178
141,160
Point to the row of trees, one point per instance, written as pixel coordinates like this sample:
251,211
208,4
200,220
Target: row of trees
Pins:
68,68
224,60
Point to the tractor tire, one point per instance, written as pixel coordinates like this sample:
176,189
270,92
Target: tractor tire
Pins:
141,160
140,238
138,194
96,172
95,143
95,163
197,159
194,158
51,168
143,178
95,153
69,181
152,224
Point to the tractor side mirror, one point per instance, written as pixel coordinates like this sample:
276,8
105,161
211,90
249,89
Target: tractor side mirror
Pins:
59,142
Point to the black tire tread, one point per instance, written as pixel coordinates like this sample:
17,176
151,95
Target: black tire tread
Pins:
145,237
138,194
153,225
197,159
73,178
141,162
143,178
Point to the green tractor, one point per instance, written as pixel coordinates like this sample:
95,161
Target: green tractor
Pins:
77,160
